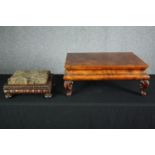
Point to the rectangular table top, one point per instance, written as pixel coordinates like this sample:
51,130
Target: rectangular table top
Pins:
104,60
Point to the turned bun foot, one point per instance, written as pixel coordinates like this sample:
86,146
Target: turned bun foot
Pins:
48,95
8,95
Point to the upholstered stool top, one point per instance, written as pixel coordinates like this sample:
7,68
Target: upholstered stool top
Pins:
29,77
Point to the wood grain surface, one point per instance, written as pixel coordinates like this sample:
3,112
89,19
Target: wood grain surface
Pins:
105,66
106,77
104,60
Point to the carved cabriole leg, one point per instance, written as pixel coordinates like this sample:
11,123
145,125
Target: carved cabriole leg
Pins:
144,84
68,85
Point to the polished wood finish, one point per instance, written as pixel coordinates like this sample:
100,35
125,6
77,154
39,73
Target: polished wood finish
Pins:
104,60
105,77
104,66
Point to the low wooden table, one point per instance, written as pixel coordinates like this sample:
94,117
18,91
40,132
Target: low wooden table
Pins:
105,66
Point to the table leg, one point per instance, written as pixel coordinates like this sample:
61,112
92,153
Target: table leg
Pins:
144,84
68,85
49,93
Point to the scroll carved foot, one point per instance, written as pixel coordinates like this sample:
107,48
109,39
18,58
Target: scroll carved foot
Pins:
144,84
68,85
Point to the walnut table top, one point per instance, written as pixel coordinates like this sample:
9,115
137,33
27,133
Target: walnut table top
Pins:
104,65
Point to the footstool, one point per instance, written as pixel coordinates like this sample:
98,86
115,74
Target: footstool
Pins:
29,82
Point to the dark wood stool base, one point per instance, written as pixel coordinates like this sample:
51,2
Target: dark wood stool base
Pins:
45,89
